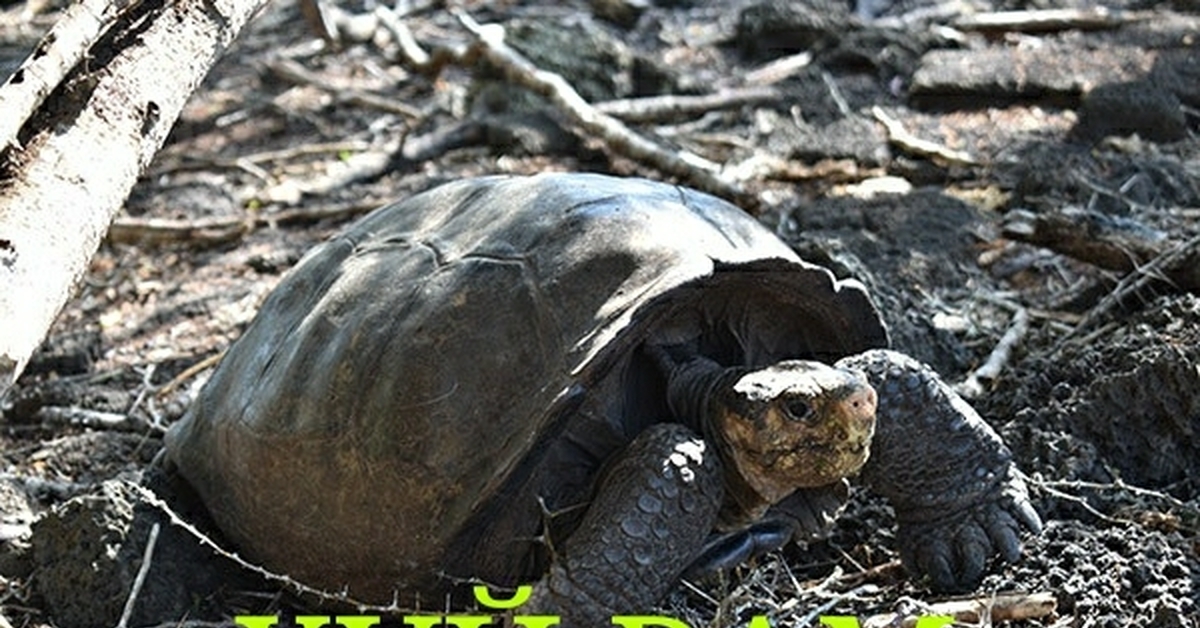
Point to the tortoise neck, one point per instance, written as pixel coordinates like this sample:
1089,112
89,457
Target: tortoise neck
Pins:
697,393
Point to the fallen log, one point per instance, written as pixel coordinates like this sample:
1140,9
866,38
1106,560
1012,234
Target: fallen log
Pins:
83,134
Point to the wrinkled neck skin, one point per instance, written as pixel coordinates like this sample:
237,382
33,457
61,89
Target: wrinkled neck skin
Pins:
697,388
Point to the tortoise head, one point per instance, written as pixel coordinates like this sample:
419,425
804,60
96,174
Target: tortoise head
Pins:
794,424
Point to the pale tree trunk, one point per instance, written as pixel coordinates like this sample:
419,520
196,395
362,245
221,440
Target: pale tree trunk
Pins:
78,122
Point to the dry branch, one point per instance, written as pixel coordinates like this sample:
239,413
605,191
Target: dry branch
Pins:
205,232
140,580
1116,244
910,143
670,107
991,609
691,168
779,69
974,385
294,72
1045,20
1178,262
80,153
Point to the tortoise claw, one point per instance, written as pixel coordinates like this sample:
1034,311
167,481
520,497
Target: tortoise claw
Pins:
730,549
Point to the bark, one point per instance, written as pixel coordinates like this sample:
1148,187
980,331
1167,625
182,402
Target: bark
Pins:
76,156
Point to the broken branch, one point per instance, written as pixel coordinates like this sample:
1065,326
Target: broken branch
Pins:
690,167
659,108
908,142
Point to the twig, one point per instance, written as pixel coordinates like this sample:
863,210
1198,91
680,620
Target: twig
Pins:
833,601
692,168
1079,501
410,51
659,108
140,580
58,415
189,373
40,487
779,69
766,166
1116,485
250,163
293,71
213,231
1111,243
338,174
836,94
1157,269
1043,20
341,597
993,608
899,136
973,386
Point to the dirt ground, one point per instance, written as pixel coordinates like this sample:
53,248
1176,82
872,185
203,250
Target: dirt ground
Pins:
292,137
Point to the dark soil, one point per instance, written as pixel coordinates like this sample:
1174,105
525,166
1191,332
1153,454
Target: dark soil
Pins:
1102,412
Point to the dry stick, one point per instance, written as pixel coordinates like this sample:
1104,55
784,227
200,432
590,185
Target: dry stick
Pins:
778,70
836,94
1001,607
834,600
899,136
140,580
189,373
1117,485
62,188
692,168
973,386
337,175
95,419
62,49
1079,501
672,106
1131,283
293,71
157,502
212,231
167,164
1048,20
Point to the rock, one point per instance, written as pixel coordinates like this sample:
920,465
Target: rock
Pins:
775,28
88,552
947,79
1140,107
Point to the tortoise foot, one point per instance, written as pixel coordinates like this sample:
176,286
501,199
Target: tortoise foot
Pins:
650,517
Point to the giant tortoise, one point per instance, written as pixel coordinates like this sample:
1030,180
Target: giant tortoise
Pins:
587,382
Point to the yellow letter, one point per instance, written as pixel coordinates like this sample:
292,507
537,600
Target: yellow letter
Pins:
256,621
642,621
519,597
759,621
934,621
839,621
357,621
313,621
469,621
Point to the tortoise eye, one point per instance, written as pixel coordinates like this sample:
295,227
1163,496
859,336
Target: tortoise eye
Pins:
798,410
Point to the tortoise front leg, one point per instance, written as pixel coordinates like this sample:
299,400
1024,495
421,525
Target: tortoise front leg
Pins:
958,497
651,514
